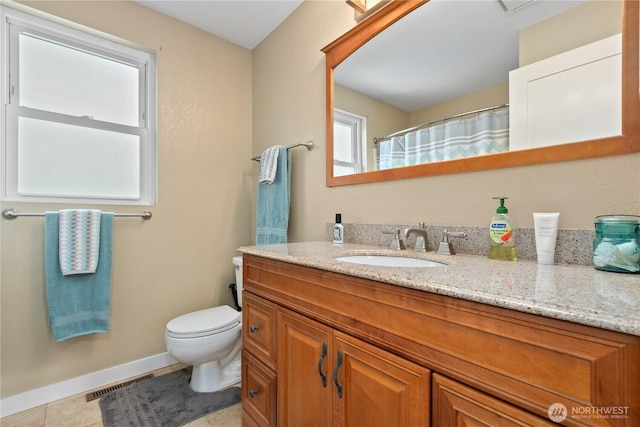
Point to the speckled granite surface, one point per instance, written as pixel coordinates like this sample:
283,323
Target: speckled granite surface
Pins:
574,293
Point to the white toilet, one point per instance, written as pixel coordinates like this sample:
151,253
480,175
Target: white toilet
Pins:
211,341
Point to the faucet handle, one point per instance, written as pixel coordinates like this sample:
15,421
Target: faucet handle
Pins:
445,247
397,243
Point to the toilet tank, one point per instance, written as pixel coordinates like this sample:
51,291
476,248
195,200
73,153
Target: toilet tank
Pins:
237,264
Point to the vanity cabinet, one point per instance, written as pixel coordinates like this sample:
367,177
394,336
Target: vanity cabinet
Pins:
407,357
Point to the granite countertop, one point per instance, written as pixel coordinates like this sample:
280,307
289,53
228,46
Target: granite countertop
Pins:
575,293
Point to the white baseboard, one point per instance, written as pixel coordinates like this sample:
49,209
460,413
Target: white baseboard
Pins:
43,395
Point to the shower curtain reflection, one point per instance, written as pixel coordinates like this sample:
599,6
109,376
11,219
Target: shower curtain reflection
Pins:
485,133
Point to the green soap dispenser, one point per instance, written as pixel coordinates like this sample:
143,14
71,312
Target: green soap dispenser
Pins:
501,229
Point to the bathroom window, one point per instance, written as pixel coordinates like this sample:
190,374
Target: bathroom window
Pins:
78,115
349,143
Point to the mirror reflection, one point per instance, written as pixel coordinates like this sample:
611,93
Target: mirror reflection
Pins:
470,78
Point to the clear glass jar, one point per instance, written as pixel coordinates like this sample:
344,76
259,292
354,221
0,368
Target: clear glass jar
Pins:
616,246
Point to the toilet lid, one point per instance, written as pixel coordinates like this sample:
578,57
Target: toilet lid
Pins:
204,322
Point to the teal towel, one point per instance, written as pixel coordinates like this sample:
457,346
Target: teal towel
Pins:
272,216
78,304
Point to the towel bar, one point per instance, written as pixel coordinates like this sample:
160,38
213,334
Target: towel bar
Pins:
308,144
13,214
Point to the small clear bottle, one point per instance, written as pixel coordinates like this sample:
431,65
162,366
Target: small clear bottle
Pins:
338,230
501,242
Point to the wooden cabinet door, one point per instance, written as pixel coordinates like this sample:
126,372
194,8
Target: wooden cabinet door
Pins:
376,388
304,392
457,405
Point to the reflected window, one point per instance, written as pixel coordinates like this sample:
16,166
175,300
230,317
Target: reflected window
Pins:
349,136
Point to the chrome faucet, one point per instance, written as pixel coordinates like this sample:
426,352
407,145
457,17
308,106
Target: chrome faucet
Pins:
421,238
396,244
445,247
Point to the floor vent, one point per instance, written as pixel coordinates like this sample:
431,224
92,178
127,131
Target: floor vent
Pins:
99,393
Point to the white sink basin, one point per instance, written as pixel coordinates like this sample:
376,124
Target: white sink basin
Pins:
388,261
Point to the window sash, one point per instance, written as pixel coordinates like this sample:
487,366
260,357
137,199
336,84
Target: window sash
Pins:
12,155
44,83
13,112
15,22
15,29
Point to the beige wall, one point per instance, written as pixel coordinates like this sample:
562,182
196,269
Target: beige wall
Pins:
289,88
494,95
180,260
289,106
576,27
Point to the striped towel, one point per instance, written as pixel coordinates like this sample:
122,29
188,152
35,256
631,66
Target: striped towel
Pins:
79,245
269,165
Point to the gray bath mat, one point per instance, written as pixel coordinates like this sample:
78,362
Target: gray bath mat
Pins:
166,401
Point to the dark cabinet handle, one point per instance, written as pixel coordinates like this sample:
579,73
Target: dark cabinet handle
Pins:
335,374
253,393
253,328
322,356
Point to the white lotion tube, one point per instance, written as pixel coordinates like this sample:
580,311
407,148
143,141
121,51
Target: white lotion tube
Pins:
546,228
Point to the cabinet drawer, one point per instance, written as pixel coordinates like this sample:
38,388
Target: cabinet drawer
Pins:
456,405
247,421
259,328
258,391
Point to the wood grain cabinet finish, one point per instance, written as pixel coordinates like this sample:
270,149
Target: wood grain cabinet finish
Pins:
305,386
258,361
326,377
379,389
258,390
456,405
259,329
525,361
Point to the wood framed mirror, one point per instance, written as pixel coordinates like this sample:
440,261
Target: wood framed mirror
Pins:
628,141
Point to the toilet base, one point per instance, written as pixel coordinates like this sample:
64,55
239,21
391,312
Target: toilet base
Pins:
212,376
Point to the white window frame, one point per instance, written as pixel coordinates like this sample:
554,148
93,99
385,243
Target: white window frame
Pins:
358,125
91,41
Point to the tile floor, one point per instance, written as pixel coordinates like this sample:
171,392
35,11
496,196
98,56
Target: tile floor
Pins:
75,411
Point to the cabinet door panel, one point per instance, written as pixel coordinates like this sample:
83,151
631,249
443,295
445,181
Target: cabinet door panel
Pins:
456,405
379,388
303,400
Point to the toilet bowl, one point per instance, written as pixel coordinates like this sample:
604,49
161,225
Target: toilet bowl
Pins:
211,341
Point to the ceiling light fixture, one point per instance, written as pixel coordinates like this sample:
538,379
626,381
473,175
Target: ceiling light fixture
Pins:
511,5
365,8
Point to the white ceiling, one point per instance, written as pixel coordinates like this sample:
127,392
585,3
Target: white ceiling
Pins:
442,50
243,22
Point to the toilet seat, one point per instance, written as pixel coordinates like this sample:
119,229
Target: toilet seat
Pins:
203,323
